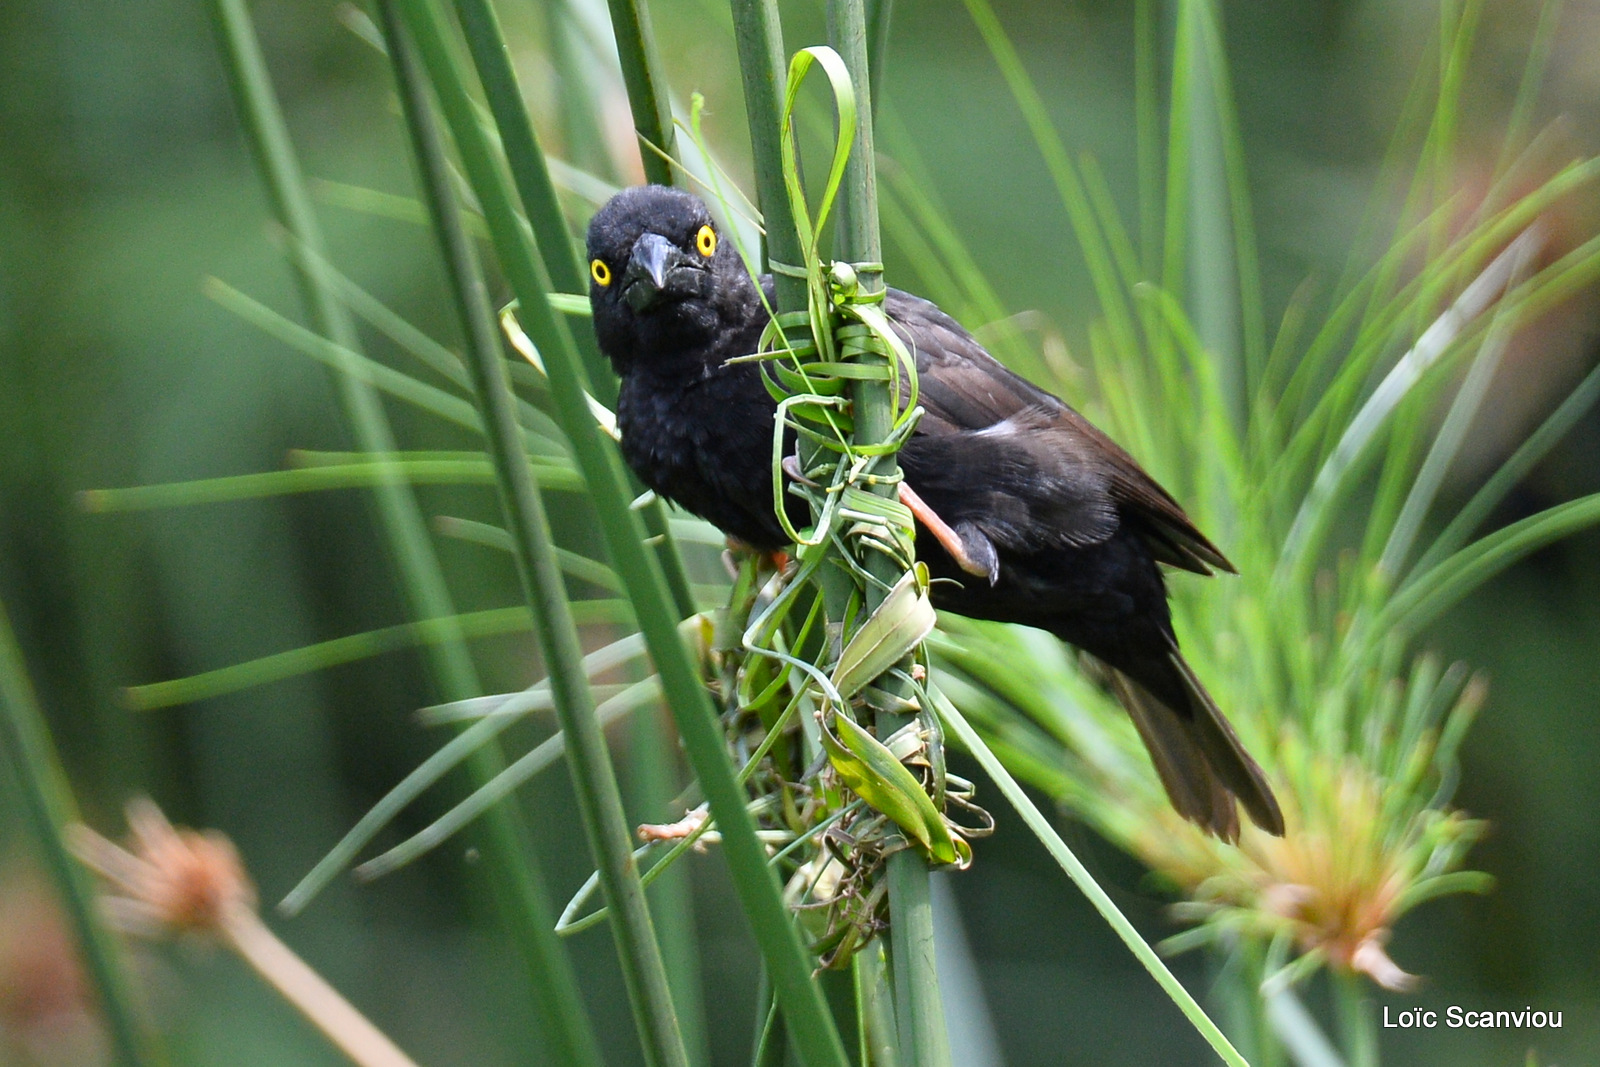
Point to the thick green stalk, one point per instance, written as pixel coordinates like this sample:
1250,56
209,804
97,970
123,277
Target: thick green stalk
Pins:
757,886
1147,136
518,889
647,92
674,907
531,175
651,789
878,1032
526,158
579,79
857,236
759,36
918,1005
593,778
1244,1010
879,15
48,805
1213,302
1358,1026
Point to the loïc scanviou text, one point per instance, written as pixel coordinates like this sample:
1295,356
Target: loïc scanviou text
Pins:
1456,1017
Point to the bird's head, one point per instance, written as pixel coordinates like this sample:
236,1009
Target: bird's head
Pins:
662,282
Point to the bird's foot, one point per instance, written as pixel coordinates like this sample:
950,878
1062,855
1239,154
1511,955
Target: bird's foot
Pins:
776,560
675,831
973,552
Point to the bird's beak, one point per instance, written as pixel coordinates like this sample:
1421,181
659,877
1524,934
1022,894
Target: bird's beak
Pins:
649,269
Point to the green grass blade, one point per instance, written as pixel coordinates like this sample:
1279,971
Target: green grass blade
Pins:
879,14
1533,74
574,564
913,213
504,784
1453,433
342,358
505,710
49,809
542,436
647,93
1538,445
376,202
283,483
1211,279
583,87
297,661
518,890
1298,1030
593,777
535,697
1081,877
1180,133
1147,133
1375,329
1335,477
438,358
1252,317
755,884
1423,598
1102,270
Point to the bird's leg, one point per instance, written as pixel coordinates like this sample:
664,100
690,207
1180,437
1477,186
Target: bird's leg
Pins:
978,558
675,831
776,560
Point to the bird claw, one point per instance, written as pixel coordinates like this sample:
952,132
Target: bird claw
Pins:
791,467
973,552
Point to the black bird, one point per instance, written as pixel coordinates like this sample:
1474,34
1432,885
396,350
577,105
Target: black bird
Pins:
1039,517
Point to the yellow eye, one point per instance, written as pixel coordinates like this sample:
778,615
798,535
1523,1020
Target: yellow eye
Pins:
706,241
600,272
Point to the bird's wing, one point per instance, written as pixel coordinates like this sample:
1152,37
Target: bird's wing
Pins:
995,450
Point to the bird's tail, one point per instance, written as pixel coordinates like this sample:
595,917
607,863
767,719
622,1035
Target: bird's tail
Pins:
1196,753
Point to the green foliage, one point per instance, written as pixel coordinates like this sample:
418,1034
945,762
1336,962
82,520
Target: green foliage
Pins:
1323,486
1309,449
50,810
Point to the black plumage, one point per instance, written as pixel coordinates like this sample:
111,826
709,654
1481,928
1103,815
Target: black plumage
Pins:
1047,521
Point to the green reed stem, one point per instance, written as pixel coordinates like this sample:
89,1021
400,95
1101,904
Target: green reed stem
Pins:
531,175
652,787
812,1030
879,15
486,43
1358,1026
48,806
919,1007
651,761
878,1035
518,888
581,80
647,91
763,68
593,778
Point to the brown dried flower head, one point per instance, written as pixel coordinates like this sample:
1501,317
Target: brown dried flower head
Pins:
172,881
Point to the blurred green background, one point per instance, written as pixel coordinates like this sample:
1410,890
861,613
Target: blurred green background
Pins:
124,181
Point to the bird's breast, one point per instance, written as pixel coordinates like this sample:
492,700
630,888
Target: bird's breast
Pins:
706,445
